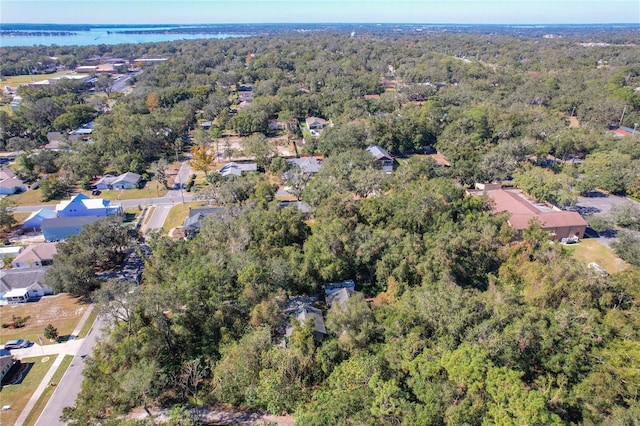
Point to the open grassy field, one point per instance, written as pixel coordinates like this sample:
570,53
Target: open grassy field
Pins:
44,398
15,80
591,250
19,394
62,311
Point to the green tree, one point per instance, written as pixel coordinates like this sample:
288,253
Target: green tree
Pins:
7,220
260,148
50,332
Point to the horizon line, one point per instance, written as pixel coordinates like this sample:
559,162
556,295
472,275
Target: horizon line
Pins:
634,23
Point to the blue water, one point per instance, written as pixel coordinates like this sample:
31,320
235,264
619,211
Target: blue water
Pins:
102,36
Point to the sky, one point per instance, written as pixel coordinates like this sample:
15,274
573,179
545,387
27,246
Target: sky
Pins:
306,11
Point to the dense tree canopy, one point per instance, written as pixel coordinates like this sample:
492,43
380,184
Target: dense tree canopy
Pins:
456,321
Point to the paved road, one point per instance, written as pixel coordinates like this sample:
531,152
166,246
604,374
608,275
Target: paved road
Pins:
172,197
69,387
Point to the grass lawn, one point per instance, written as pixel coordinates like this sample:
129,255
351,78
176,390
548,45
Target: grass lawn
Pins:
149,213
29,198
48,391
62,311
14,80
177,214
19,394
591,250
88,324
21,217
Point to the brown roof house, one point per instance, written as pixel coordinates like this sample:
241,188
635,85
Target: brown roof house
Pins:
560,224
35,255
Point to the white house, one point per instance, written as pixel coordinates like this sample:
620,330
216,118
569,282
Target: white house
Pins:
127,180
81,205
20,285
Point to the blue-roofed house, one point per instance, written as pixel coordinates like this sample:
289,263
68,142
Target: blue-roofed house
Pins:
81,205
382,157
61,228
34,221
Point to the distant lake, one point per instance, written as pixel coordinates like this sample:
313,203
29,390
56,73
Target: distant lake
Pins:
111,35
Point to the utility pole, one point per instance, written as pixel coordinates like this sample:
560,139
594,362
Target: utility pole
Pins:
622,117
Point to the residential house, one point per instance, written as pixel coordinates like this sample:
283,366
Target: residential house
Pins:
6,173
35,255
12,186
56,141
8,253
6,362
9,184
34,221
331,288
81,205
22,285
315,123
340,297
306,313
276,125
382,157
237,169
309,165
305,209
127,180
559,223
61,228
192,223
83,131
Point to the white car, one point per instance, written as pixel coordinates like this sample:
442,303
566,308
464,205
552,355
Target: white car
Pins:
17,344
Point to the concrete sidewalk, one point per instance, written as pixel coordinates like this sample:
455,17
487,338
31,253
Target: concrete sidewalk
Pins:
71,347
46,381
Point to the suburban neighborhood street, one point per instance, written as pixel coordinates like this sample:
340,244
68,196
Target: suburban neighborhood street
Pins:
69,387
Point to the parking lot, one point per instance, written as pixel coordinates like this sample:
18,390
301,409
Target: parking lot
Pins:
598,203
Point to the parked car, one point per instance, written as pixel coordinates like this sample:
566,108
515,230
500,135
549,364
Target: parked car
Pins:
96,192
17,344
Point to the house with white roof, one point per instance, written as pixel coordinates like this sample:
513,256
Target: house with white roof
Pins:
81,205
237,169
